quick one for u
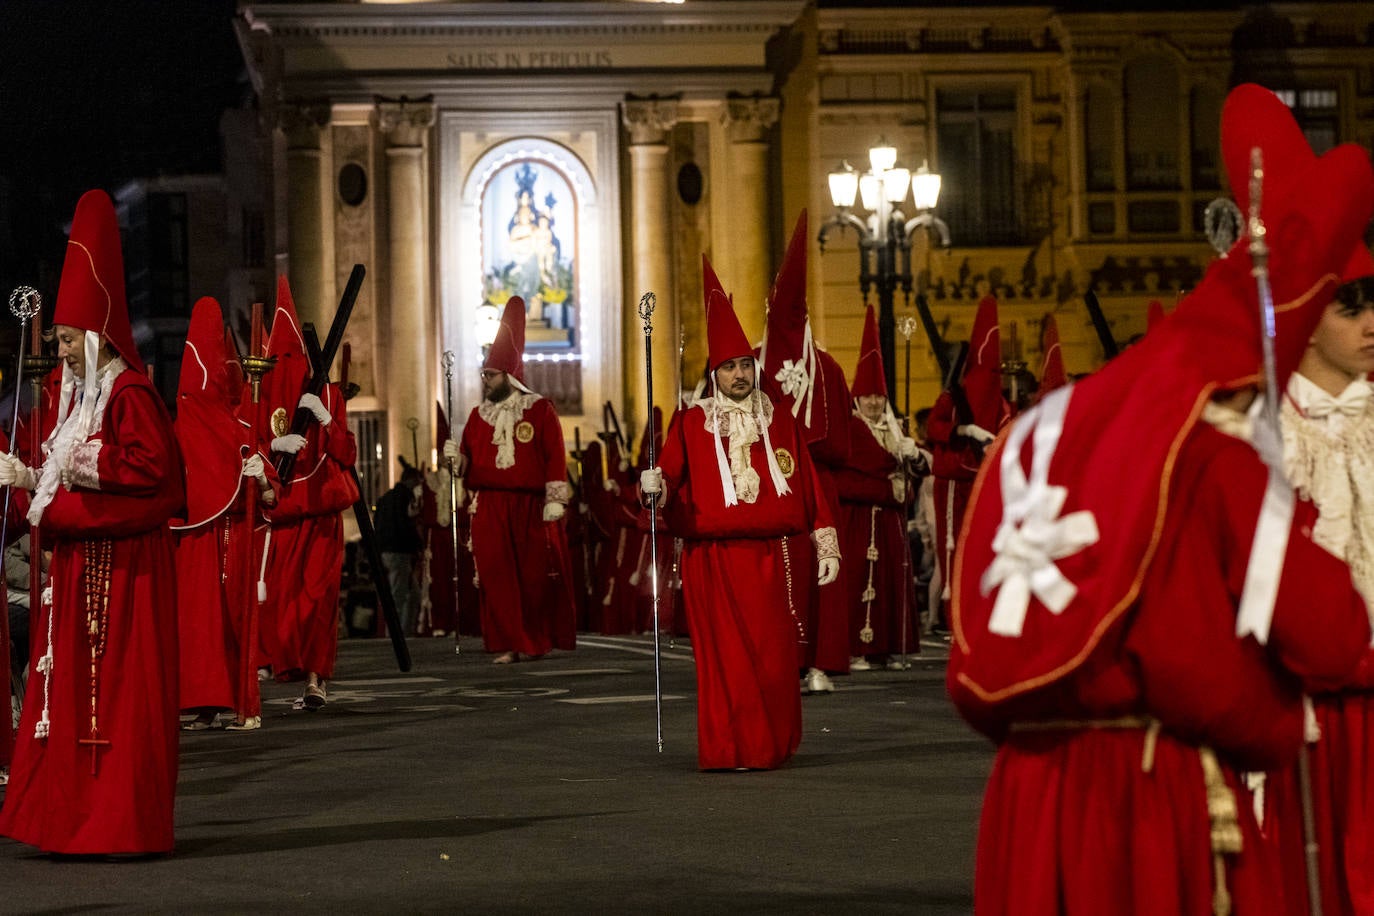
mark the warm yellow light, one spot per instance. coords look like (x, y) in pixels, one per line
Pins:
(882, 157)
(895, 183)
(925, 188)
(844, 185)
(871, 190)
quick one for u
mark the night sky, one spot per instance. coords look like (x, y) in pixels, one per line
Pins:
(94, 93)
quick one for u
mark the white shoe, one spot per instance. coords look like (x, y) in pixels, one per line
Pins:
(859, 663)
(897, 664)
(817, 681)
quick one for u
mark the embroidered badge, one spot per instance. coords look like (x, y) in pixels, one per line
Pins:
(785, 462)
(524, 431)
(281, 423)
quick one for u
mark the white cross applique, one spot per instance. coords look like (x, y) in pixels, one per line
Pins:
(1033, 533)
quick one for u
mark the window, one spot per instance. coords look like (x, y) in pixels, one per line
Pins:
(1317, 112)
(369, 429)
(1099, 134)
(980, 196)
(1152, 127)
(1206, 139)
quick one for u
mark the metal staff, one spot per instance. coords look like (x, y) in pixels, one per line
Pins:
(25, 303)
(413, 424)
(1269, 444)
(646, 314)
(449, 360)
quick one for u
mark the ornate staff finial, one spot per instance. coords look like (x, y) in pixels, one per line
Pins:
(25, 302)
(647, 303)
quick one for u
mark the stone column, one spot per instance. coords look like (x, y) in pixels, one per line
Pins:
(648, 122)
(310, 239)
(409, 374)
(746, 122)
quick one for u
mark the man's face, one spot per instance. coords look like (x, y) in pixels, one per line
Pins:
(1344, 339)
(71, 348)
(735, 377)
(496, 385)
(872, 406)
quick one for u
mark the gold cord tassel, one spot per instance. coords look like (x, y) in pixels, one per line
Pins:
(1224, 815)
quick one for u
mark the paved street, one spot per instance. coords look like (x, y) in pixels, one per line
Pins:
(536, 788)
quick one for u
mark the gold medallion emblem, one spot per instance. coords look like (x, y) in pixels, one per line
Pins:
(524, 431)
(281, 423)
(785, 462)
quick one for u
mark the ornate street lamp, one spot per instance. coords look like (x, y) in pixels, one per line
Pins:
(885, 232)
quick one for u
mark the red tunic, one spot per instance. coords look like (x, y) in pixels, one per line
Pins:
(524, 570)
(740, 587)
(301, 625)
(874, 518)
(54, 801)
(1071, 823)
(954, 463)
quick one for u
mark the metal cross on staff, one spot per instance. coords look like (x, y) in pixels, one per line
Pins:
(647, 302)
(449, 359)
(25, 303)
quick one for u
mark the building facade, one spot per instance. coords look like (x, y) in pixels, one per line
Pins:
(580, 154)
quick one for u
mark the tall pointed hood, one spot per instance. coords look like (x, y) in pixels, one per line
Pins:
(786, 335)
(507, 352)
(90, 295)
(282, 386)
(983, 377)
(212, 440)
(725, 338)
(868, 374)
(1154, 314)
(1052, 373)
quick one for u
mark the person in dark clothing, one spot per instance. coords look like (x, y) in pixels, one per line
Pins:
(398, 537)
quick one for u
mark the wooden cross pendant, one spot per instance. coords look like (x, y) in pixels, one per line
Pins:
(95, 742)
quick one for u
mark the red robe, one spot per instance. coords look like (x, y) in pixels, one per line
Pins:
(873, 518)
(301, 626)
(1071, 823)
(524, 570)
(54, 801)
(740, 584)
(954, 463)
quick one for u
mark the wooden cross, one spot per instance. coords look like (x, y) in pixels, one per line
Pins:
(95, 742)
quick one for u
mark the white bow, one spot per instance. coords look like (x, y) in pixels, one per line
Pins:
(1349, 403)
(1033, 534)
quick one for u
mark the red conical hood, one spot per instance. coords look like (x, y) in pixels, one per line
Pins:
(90, 295)
(785, 331)
(1052, 373)
(724, 337)
(212, 440)
(233, 369)
(283, 384)
(983, 377)
(1154, 314)
(868, 374)
(1253, 116)
(507, 352)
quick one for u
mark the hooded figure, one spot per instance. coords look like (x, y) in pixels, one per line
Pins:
(515, 472)
(740, 485)
(96, 763)
(1130, 624)
(876, 487)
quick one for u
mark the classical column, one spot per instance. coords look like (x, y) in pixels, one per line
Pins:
(310, 239)
(409, 373)
(648, 122)
(747, 121)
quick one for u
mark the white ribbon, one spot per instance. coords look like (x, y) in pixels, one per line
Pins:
(1033, 534)
(1270, 543)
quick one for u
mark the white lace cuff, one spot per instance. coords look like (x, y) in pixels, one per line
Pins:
(827, 543)
(83, 467)
(557, 491)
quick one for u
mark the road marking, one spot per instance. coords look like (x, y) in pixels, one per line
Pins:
(576, 672)
(634, 649)
(385, 681)
(601, 701)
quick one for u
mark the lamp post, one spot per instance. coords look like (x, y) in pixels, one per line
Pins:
(885, 232)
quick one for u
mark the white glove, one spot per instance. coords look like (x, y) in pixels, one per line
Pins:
(827, 569)
(253, 467)
(907, 448)
(553, 512)
(291, 443)
(899, 487)
(13, 472)
(975, 432)
(451, 451)
(651, 481)
(313, 404)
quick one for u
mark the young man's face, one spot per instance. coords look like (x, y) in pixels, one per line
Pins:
(872, 406)
(735, 377)
(1344, 339)
(495, 385)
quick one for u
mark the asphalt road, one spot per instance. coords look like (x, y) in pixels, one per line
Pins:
(463, 787)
